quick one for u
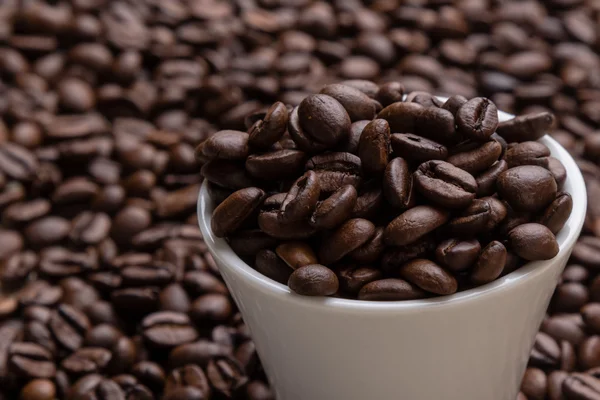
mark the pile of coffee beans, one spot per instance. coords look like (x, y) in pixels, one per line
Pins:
(355, 194)
(102, 103)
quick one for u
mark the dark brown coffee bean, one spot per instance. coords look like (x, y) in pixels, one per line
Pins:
(90, 228)
(270, 265)
(352, 279)
(534, 384)
(313, 280)
(586, 251)
(402, 117)
(24, 212)
(545, 352)
(75, 190)
(324, 119)
(527, 187)
(390, 92)
(135, 300)
(276, 165)
(335, 170)
(199, 352)
(167, 329)
(358, 105)
(30, 361)
(557, 169)
(581, 386)
(226, 376)
(128, 222)
(39, 389)
(232, 212)
(296, 254)
(249, 242)
(417, 149)
(302, 198)
(478, 159)
(477, 119)
(533, 242)
(47, 231)
(270, 223)
(428, 276)
(17, 162)
(350, 143)
(371, 250)
(271, 128)
(557, 213)
(527, 153)
(348, 237)
(444, 184)
(211, 308)
(457, 255)
(490, 263)
(227, 174)
(86, 360)
(187, 376)
(454, 103)
(59, 262)
(398, 183)
(8, 306)
(374, 146)
(526, 127)
(486, 181)
(336, 209)
(413, 224)
(591, 316)
(226, 145)
(569, 327)
(17, 268)
(390, 290)
(39, 293)
(303, 140)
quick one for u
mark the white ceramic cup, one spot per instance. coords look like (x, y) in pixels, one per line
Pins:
(472, 345)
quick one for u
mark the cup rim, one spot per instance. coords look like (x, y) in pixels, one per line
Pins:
(566, 238)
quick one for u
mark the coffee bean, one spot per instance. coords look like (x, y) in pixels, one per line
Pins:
(211, 308)
(398, 183)
(428, 276)
(486, 181)
(86, 360)
(390, 290)
(416, 148)
(348, 237)
(335, 170)
(457, 255)
(534, 384)
(296, 254)
(546, 351)
(567, 327)
(527, 153)
(533, 242)
(232, 212)
(527, 188)
(374, 146)
(477, 118)
(301, 199)
(324, 119)
(17, 268)
(445, 184)
(226, 376)
(358, 105)
(39, 389)
(269, 264)
(271, 128)
(490, 263)
(279, 164)
(581, 386)
(187, 376)
(226, 145)
(313, 280)
(25, 212)
(478, 159)
(557, 170)
(30, 361)
(413, 224)
(526, 127)
(17, 162)
(168, 329)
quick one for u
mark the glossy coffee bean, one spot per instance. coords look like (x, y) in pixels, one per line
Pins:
(336, 209)
(323, 119)
(457, 255)
(444, 184)
(557, 213)
(296, 254)
(478, 159)
(301, 199)
(358, 105)
(398, 183)
(348, 237)
(413, 224)
(490, 263)
(477, 118)
(374, 146)
(527, 153)
(314, 280)
(526, 127)
(416, 148)
(533, 242)
(234, 210)
(527, 188)
(429, 276)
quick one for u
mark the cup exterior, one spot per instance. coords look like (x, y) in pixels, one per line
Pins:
(473, 345)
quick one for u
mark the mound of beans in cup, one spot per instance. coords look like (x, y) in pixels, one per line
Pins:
(361, 192)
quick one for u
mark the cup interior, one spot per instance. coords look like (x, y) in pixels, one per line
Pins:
(566, 239)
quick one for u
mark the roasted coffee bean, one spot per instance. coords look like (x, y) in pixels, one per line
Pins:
(17, 162)
(323, 119)
(335, 170)
(226, 145)
(568, 327)
(269, 264)
(336, 209)
(390, 92)
(526, 127)
(390, 290)
(352, 279)
(398, 183)
(478, 159)
(313, 280)
(557, 213)
(416, 148)
(454, 103)
(227, 174)
(187, 376)
(302, 198)
(271, 128)
(533, 242)
(86, 360)
(25, 212)
(68, 325)
(581, 386)
(527, 187)
(39, 293)
(586, 251)
(477, 119)
(413, 224)
(350, 143)
(211, 308)
(47, 231)
(30, 361)
(374, 146)
(527, 153)
(279, 164)
(490, 263)
(296, 254)
(17, 268)
(226, 376)
(39, 389)
(457, 255)
(444, 184)
(486, 181)
(166, 329)
(534, 384)
(89, 228)
(234, 210)
(545, 352)
(358, 105)
(428, 276)
(557, 169)
(348, 237)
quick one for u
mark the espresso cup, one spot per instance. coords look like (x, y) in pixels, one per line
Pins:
(473, 345)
